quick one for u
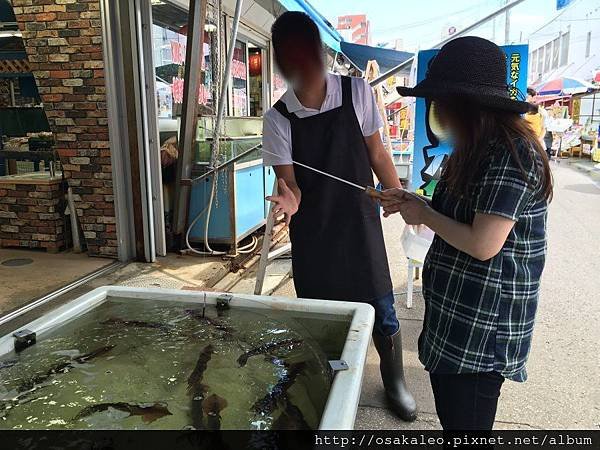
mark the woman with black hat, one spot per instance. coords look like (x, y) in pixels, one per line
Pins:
(481, 276)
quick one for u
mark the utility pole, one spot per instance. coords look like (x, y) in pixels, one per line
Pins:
(507, 25)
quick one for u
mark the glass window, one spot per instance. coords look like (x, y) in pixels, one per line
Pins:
(239, 80)
(169, 34)
(547, 56)
(278, 86)
(255, 80)
(555, 52)
(588, 44)
(564, 49)
(540, 61)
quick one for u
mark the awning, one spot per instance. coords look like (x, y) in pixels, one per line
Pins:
(329, 35)
(360, 55)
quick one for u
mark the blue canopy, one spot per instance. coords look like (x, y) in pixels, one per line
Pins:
(329, 35)
(360, 55)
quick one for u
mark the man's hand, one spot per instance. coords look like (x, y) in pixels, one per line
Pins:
(285, 201)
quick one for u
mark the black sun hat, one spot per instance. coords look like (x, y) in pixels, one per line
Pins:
(469, 66)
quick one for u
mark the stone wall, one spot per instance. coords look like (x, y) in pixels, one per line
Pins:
(31, 214)
(63, 40)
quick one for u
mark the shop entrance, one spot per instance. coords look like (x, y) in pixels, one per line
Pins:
(238, 195)
(42, 246)
(255, 72)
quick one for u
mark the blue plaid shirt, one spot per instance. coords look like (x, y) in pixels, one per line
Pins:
(479, 315)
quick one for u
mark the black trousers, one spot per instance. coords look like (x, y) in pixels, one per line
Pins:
(466, 401)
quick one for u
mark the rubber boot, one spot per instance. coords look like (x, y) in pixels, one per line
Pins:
(392, 374)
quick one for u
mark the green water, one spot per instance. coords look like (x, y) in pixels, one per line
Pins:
(143, 366)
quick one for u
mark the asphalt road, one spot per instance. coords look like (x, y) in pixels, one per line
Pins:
(562, 391)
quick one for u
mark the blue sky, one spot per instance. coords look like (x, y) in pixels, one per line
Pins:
(419, 23)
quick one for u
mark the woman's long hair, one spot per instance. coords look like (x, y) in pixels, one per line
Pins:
(474, 127)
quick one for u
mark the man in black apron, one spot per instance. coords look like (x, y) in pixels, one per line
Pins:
(338, 250)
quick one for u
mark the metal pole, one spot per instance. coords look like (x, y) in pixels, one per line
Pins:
(12, 93)
(381, 78)
(220, 167)
(189, 116)
(225, 81)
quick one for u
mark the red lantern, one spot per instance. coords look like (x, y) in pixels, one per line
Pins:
(255, 64)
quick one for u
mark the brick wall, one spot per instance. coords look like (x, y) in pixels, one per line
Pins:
(63, 40)
(31, 215)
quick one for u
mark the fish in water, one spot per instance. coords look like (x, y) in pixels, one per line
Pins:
(136, 324)
(290, 419)
(276, 361)
(7, 364)
(268, 348)
(214, 323)
(63, 367)
(267, 404)
(148, 411)
(212, 407)
(196, 389)
(93, 354)
(195, 377)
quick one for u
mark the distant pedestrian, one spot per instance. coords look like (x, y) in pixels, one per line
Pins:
(538, 118)
(481, 276)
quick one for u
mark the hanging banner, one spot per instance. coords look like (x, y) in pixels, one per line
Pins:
(430, 155)
(178, 52)
(204, 94)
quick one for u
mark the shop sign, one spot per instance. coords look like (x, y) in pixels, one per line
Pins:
(430, 155)
(177, 52)
(238, 69)
(240, 101)
(177, 92)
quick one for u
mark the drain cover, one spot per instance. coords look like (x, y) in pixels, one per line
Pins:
(16, 262)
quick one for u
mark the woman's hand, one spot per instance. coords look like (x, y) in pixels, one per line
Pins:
(392, 199)
(414, 209)
(411, 206)
(285, 201)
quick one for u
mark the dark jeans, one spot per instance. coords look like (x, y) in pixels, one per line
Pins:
(466, 401)
(386, 322)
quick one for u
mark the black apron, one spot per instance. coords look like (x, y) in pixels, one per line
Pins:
(338, 251)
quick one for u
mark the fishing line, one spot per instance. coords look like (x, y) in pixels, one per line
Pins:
(320, 171)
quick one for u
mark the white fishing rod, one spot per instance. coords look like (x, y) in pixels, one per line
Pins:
(369, 190)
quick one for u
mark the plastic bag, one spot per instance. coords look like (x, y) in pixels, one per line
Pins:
(416, 240)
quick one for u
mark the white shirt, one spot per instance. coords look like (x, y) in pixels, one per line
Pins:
(277, 133)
